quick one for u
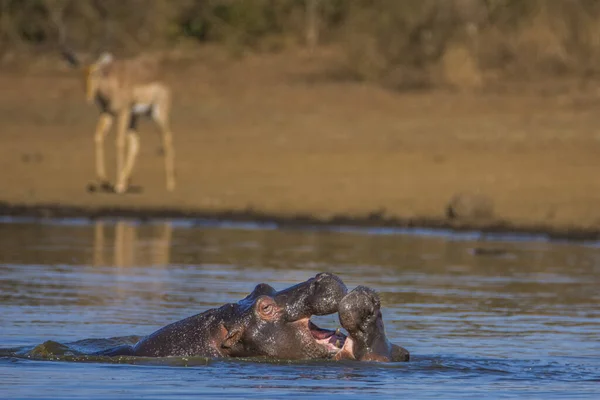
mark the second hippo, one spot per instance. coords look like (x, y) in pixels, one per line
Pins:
(360, 314)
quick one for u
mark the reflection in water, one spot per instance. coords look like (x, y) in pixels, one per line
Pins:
(128, 248)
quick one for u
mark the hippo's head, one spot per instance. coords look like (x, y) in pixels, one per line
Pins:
(277, 324)
(360, 315)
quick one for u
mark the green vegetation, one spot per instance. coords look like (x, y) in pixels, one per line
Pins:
(399, 43)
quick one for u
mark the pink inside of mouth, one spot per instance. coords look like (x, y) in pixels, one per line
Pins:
(333, 340)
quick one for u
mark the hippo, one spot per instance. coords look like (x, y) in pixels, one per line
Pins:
(266, 323)
(360, 315)
(276, 324)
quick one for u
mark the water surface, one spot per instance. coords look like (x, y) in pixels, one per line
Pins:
(503, 318)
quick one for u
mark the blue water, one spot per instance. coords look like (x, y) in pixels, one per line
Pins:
(520, 321)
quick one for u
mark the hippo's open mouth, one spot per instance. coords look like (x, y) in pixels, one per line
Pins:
(332, 341)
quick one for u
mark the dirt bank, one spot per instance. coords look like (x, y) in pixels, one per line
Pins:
(278, 135)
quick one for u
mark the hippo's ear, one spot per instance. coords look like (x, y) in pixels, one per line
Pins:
(260, 290)
(231, 337)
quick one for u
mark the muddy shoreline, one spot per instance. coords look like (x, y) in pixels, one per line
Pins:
(53, 211)
(260, 139)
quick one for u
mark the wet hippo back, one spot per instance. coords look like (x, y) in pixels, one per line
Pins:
(200, 335)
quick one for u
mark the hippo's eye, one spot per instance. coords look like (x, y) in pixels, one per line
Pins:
(266, 308)
(267, 311)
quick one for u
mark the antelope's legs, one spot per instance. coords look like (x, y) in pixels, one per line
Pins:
(160, 114)
(102, 128)
(133, 147)
(122, 127)
(169, 156)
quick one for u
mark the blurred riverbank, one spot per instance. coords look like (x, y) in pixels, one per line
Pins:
(276, 137)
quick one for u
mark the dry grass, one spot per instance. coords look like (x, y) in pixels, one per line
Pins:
(409, 44)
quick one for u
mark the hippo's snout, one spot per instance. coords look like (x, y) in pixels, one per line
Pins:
(360, 314)
(320, 295)
(329, 290)
(359, 306)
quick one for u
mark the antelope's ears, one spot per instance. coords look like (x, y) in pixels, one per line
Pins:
(104, 59)
(70, 57)
(103, 64)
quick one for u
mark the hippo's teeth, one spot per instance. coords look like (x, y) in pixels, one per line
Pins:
(338, 332)
(338, 344)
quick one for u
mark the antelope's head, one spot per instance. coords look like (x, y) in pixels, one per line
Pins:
(93, 72)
